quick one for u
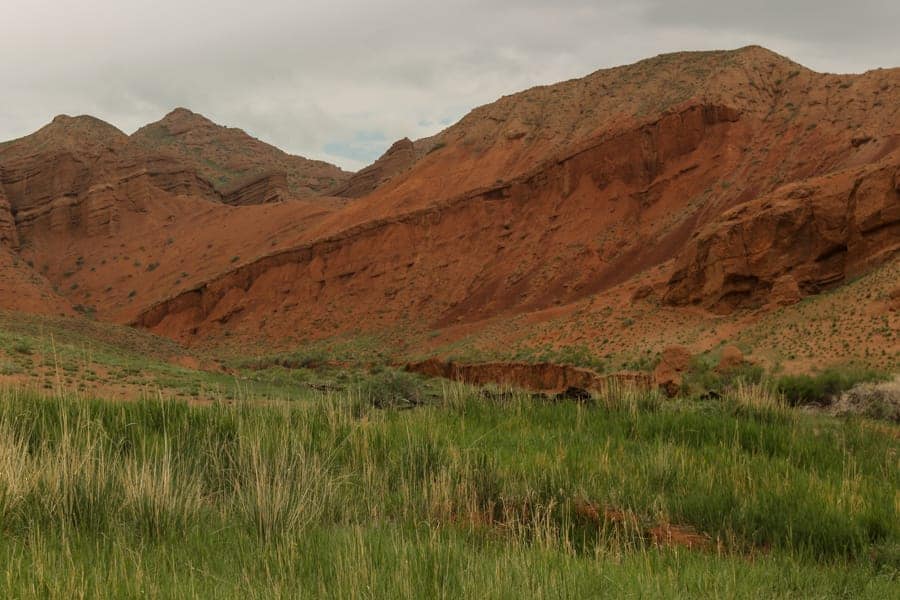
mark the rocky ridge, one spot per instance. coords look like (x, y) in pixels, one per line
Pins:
(228, 157)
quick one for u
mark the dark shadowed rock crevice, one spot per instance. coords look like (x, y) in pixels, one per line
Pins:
(564, 380)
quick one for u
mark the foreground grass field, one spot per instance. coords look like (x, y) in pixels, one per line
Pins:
(476, 495)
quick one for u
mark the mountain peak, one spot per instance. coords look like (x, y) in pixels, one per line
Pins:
(179, 112)
(700, 65)
(81, 134)
(181, 119)
(227, 156)
(83, 123)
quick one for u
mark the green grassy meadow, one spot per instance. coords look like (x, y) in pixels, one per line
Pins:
(473, 494)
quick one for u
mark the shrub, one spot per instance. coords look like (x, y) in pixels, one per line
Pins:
(23, 347)
(872, 400)
(390, 387)
(821, 388)
(703, 378)
(88, 311)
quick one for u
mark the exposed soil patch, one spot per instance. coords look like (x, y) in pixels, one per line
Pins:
(683, 536)
(542, 377)
(666, 535)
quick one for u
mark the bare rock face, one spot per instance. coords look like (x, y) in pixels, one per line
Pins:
(264, 189)
(732, 358)
(169, 175)
(400, 157)
(563, 380)
(88, 201)
(76, 174)
(669, 373)
(49, 176)
(9, 236)
(32, 183)
(817, 234)
(785, 291)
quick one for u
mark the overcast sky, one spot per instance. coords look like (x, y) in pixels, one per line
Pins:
(340, 80)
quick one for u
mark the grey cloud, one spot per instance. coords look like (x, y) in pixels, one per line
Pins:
(831, 35)
(312, 76)
(811, 20)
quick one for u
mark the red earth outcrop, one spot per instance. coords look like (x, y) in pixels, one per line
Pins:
(732, 358)
(261, 189)
(817, 233)
(76, 174)
(669, 373)
(400, 157)
(23, 289)
(113, 225)
(537, 377)
(9, 236)
(785, 291)
(467, 245)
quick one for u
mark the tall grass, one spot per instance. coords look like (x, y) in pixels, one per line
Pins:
(477, 496)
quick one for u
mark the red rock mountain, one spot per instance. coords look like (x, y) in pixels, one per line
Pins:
(230, 159)
(677, 189)
(399, 158)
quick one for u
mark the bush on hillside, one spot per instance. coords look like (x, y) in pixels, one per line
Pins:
(393, 388)
(822, 387)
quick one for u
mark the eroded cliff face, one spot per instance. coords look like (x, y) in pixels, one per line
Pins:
(540, 377)
(78, 175)
(167, 174)
(67, 193)
(808, 237)
(522, 245)
(399, 158)
(263, 189)
(9, 236)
